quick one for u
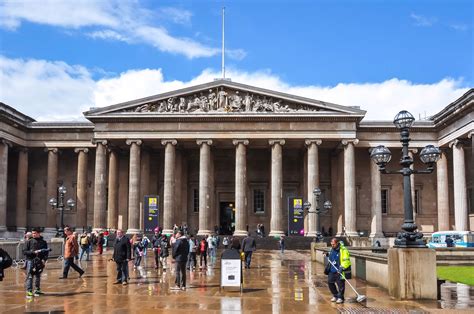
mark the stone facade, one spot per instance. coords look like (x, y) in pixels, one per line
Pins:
(230, 155)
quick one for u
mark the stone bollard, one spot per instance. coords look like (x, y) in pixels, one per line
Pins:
(314, 246)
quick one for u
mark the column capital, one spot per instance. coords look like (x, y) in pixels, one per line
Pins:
(169, 141)
(130, 142)
(354, 141)
(240, 141)
(6, 142)
(85, 150)
(471, 134)
(51, 149)
(309, 141)
(276, 141)
(204, 141)
(96, 141)
(22, 149)
(455, 142)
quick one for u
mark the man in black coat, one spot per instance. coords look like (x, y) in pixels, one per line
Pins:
(180, 255)
(248, 247)
(36, 253)
(122, 254)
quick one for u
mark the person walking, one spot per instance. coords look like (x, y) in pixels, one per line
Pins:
(122, 254)
(145, 242)
(71, 249)
(225, 242)
(100, 243)
(203, 253)
(339, 257)
(211, 244)
(85, 244)
(282, 244)
(193, 245)
(36, 253)
(180, 255)
(248, 247)
(137, 247)
(156, 244)
(164, 252)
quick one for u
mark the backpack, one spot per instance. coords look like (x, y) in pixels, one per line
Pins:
(5, 260)
(84, 241)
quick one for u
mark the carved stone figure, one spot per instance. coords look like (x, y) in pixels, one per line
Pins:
(182, 104)
(236, 102)
(203, 104)
(248, 100)
(212, 100)
(222, 99)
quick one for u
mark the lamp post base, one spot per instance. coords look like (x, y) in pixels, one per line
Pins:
(410, 240)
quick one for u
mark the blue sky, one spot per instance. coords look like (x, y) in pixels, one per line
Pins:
(350, 52)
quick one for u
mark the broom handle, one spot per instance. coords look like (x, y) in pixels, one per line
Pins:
(343, 276)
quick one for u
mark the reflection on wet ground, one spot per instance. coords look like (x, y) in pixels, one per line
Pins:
(275, 284)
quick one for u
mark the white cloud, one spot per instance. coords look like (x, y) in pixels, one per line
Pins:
(57, 91)
(119, 20)
(424, 21)
(459, 27)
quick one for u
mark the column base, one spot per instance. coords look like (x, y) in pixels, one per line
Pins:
(98, 229)
(133, 231)
(311, 234)
(240, 233)
(204, 232)
(3, 228)
(21, 229)
(376, 235)
(50, 231)
(276, 233)
(352, 234)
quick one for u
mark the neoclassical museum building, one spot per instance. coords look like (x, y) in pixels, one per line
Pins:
(228, 156)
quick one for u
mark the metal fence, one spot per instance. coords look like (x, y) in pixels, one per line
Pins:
(15, 248)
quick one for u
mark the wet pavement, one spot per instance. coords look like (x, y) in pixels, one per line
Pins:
(275, 284)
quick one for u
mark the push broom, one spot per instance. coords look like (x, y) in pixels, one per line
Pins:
(360, 297)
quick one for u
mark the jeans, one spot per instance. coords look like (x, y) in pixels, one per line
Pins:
(157, 257)
(138, 260)
(29, 277)
(181, 274)
(192, 262)
(333, 279)
(122, 271)
(248, 258)
(69, 262)
(203, 256)
(164, 261)
(84, 250)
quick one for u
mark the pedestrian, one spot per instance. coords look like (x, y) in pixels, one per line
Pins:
(449, 242)
(282, 244)
(211, 244)
(106, 238)
(180, 255)
(85, 244)
(145, 242)
(225, 242)
(203, 253)
(156, 243)
(100, 243)
(339, 257)
(36, 253)
(122, 254)
(71, 249)
(137, 247)
(5, 262)
(248, 247)
(164, 252)
(193, 245)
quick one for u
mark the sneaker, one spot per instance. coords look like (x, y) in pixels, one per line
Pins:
(339, 301)
(29, 295)
(124, 283)
(62, 277)
(81, 274)
(333, 299)
(183, 288)
(37, 293)
(117, 282)
(175, 288)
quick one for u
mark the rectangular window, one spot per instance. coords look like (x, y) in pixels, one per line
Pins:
(258, 201)
(195, 200)
(417, 202)
(28, 198)
(385, 201)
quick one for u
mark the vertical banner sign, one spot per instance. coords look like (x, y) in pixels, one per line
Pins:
(150, 213)
(295, 216)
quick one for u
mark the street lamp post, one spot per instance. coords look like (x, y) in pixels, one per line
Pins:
(59, 205)
(318, 211)
(381, 155)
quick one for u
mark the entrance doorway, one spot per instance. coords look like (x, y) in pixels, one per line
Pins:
(227, 218)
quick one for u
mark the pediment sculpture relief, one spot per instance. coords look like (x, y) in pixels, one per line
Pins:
(221, 100)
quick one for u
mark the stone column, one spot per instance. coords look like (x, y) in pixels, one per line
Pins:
(376, 203)
(22, 190)
(169, 185)
(134, 187)
(276, 228)
(240, 187)
(3, 183)
(460, 196)
(442, 192)
(144, 182)
(313, 182)
(51, 189)
(100, 185)
(112, 198)
(81, 201)
(204, 187)
(350, 214)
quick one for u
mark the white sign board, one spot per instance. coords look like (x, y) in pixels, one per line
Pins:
(231, 272)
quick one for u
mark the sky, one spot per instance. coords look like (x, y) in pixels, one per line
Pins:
(59, 58)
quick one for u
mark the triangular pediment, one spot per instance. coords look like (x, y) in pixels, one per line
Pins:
(224, 97)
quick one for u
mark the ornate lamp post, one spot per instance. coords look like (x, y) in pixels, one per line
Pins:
(381, 155)
(59, 205)
(318, 211)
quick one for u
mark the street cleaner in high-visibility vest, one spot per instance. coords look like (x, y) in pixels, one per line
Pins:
(339, 257)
